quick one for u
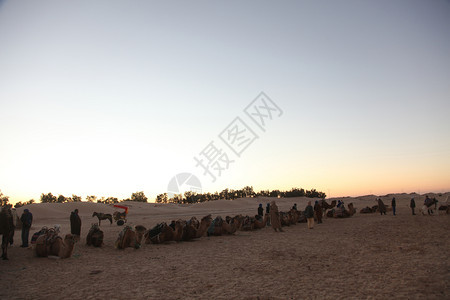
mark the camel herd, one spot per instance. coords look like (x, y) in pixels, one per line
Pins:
(49, 243)
(185, 230)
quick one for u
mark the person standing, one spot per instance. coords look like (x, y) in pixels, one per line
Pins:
(412, 204)
(75, 223)
(275, 217)
(381, 207)
(309, 214)
(318, 211)
(260, 210)
(295, 206)
(393, 205)
(268, 213)
(27, 220)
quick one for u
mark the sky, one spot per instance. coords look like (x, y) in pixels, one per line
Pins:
(108, 98)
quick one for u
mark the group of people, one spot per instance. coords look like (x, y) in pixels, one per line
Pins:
(27, 219)
(382, 208)
(274, 214)
(412, 205)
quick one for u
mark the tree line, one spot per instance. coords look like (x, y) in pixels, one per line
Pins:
(49, 198)
(187, 197)
(230, 194)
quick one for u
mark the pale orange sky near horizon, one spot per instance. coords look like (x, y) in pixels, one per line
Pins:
(111, 98)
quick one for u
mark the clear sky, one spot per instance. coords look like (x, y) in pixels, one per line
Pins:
(108, 98)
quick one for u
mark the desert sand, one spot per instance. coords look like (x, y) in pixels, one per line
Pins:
(367, 256)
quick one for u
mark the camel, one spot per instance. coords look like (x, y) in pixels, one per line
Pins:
(6, 230)
(194, 229)
(326, 206)
(338, 213)
(367, 210)
(219, 226)
(102, 216)
(294, 216)
(285, 218)
(94, 236)
(427, 205)
(445, 208)
(302, 217)
(260, 222)
(51, 244)
(130, 238)
(162, 233)
(247, 223)
(178, 228)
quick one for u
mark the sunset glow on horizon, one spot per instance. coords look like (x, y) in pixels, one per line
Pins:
(112, 101)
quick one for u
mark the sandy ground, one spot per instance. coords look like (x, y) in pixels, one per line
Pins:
(367, 256)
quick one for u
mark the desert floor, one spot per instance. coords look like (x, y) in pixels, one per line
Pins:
(367, 256)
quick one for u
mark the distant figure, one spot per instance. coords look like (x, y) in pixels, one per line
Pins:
(309, 214)
(27, 220)
(295, 206)
(412, 204)
(427, 205)
(275, 217)
(340, 203)
(318, 211)
(260, 210)
(268, 213)
(381, 207)
(75, 223)
(393, 205)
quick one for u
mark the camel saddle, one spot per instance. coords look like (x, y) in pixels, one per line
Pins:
(156, 230)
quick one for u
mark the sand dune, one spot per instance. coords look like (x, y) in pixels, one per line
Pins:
(366, 256)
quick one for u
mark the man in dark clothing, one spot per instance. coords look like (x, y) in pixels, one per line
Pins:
(268, 213)
(27, 220)
(260, 210)
(309, 214)
(295, 206)
(393, 205)
(413, 206)
(75, 223)
(318, 211)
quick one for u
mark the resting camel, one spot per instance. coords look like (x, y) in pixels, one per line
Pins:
(6, 230)
(285, 219)
(178, 228)
(247, 223)
(194, 229)
(162, 233)
(326, 206)
(367, 210)
(260, 222)
(102, 216)
(294, 216)
(130, 238)
(219, 226)
(338, 213)
(51, 244)
(94, 236)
